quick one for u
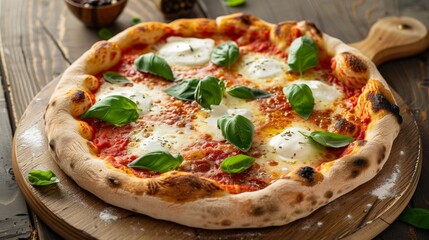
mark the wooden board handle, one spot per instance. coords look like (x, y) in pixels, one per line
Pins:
(394, 37)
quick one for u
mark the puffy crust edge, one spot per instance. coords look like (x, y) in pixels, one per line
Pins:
(206, 206)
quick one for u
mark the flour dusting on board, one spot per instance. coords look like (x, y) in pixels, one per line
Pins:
(107, 216)
(386, 189)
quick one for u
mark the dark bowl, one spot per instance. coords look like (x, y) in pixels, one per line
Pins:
(96, 17)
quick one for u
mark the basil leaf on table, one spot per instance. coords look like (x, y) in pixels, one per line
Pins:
(234, 3)
(247, 93)
(225, 54)
(158, 161)
(114, 109)
(303, 54)
(418, 217)
(154, 64)
(135, 21)
(184, 90)
(42, 178)
(237, 164)
(301, 98)
(329, 139)
(209, 91)
(115, 78)
(105, 34)
(237, 130)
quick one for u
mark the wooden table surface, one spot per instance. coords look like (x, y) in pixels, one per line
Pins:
(39, 39)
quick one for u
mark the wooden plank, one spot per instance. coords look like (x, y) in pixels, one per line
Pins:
(14, 219)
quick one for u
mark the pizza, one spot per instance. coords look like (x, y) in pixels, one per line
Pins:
(226, 123)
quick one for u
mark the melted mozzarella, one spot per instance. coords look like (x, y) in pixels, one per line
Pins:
(207, 120)
(324, 94)
(263, 70)
(292, 146)
(135, 93)
(187, 51)
(160, 137)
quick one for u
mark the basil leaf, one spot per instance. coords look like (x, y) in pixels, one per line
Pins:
(329, 139)
(105, 34)
(113, 77)
(225, 54)
(158, 161)
(42, 178)
(303, 54)
(114, 109)
(247, 93)
(301, 98)
(237, 164)
(209, 91)
(238, 130)
(135, 21)
(418, 217)
(151, 63)
(234, 3)
(184, 90)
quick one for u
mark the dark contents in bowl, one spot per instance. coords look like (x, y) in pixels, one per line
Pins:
(95, 3)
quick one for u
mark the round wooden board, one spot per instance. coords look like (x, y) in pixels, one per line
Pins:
(76, 214)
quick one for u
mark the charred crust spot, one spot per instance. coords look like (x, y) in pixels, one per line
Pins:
(328, 194)
(52, 144)
(182, 188)
(53, 103)
(355, 63)
(307, 173)
(312, 199)
(72, 166)
(78, 96)
(297, 211)
(299, 197)
(361, 163)
(267, 208)
(226, 222)
(379, 102)
(344, 126)
(361, 143)
(354, 173)
(312, 25)
(245, 19)
(257, 211)
(113, 182)
(357, 166)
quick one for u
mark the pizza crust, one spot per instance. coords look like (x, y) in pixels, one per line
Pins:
(189, 200)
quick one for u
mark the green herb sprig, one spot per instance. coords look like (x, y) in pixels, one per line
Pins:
(115, 78)
(237, 164)
(329, 139)
(154, 64)
(42, 178)
(237, 130)
(158, 161)
(114, 109)
(301, 98)
(303, 54)
(225, 54)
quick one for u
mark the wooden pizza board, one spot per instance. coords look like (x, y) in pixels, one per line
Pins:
(77, 214)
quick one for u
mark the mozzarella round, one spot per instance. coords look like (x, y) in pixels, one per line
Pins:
(263, 70)
(324, 95)
(292, 145)
(187, 51)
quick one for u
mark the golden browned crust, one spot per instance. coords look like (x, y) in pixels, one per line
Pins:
(197, 202)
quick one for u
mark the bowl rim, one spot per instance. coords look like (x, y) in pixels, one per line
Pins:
(71, 2)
